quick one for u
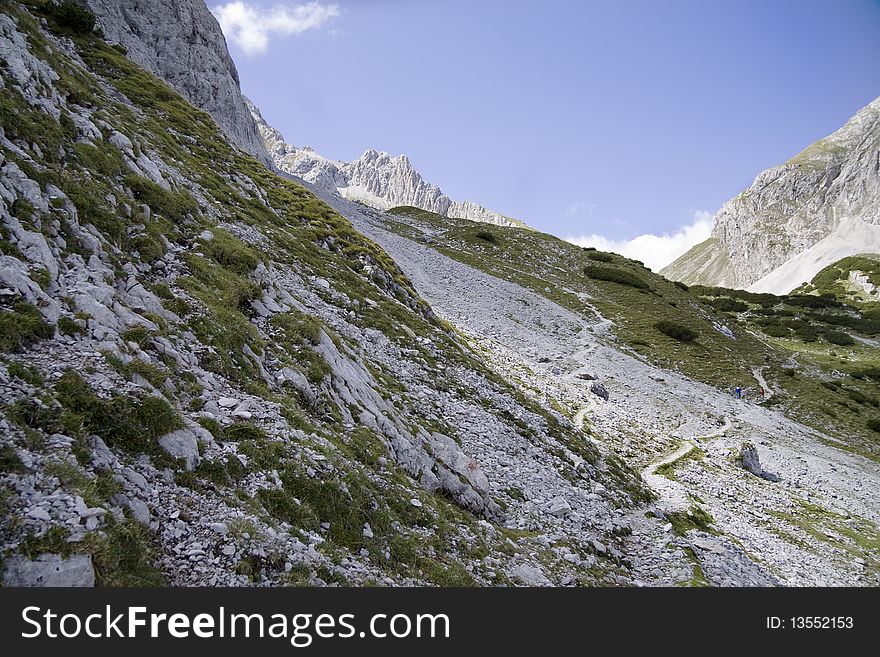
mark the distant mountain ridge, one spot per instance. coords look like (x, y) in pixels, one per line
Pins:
(376, 178)
(826, 198)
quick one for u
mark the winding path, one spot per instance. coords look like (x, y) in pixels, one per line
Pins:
(672, 495)
(759, 377)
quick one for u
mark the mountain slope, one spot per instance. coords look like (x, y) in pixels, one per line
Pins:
(212, 374)
(523, 298)
(375, 178)
(790, 208)
(209, 377)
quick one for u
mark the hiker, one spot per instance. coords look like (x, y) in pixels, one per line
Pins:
(762, 392)
(739, 392)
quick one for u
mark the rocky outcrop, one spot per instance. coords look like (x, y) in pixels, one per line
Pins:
(791, 207)
(376, 178)
(181, 42)
(750, 462)
(49, 570)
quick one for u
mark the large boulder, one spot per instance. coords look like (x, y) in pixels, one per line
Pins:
(182, 444)
(749, 461)
(599, 390)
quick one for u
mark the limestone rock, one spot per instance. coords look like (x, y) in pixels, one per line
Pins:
(792, 207)
(49, 570)
(599, 390)
(181, 42)
(748, 460)
(182, 444)
(376, 178)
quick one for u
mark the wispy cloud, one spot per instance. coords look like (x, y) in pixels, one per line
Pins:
(249, 27)
(580, 208)
(656, 251)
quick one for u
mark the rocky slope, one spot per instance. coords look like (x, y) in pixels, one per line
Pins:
(806, 512)
(181, 43)
(790, 209)
(209, 377)
(375, 178)
(212, 374)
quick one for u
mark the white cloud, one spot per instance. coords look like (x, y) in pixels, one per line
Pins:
(656, 251)
(250, 27)
(580, 207)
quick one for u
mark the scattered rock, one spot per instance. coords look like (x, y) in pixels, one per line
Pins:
(599, 390)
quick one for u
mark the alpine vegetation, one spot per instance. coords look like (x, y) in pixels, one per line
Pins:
(224, 361)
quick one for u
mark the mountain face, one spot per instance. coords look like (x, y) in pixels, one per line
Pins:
(816, 196)
(376, 179)
(181, 43)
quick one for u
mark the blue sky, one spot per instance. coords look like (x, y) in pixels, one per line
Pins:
(612, 118)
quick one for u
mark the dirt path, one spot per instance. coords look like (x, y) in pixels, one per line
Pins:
(759, 377)
(672, 496)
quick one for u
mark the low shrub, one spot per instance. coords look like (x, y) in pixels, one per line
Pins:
(777, 330)
(600, 256)
(812, 301)
(615, 275)
(72, 15)
(728, 305)
(676, 331)
(487, 236)
(839, 338)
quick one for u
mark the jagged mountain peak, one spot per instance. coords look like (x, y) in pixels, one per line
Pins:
(376, 178)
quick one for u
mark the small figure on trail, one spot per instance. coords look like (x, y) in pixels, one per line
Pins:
(739, 392)
(762, 392)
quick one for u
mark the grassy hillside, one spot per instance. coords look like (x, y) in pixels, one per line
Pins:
(818, 352)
